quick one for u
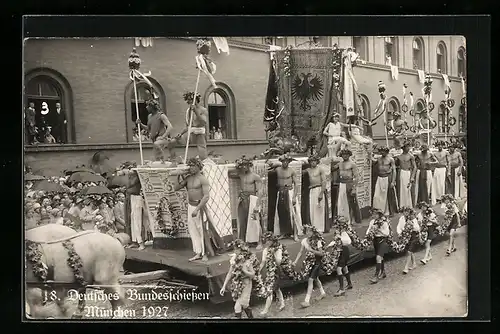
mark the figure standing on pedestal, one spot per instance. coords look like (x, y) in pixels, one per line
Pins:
(440, 172)
(406, 171)
(425, 125)
(317, 191)
(203, 235)
(455, 184)
(249, 220)
(333, 131)
(199, 125)
(287, 223)
(160, 129)
(396, 128)
(384, 198)
(423, 186)
(346, 203)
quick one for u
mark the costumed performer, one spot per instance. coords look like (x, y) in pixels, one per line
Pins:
(384, 198)
(318, 205)
(204, 237)
(287, 222)
(448, 203)
(428, 222)
(356, 132)
(241, 274)
(409, 221)
(346, 202)
(198, 130)
(342, 226)
(159, 129)
(396, 128)
(333, 131)
(406, 171)
(455, 182)
(272, 255)
(440, 172)
(380, 229)
(249, 219)
(423, 186)
(315, 244)
(139, 215)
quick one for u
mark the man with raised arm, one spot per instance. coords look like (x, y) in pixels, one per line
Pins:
(384, 198)
(407, 170)
(204, 237)
(198, 130)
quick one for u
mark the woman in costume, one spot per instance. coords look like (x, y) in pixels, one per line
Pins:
(342, 226)
(314, 244)
(272, 257)
(380, 229)
(428, 221)
(241, 274)
(408, 223)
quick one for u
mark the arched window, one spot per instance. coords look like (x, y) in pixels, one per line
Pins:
(418, 53)
(391, 50)
(144, 93)
(365, 111)
(221, 107)
(360, 43)
(46, 86)
(392, 106)
(441, 58)
(462, 120)
(462, 69)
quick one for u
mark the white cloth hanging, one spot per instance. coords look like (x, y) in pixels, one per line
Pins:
(446, 80)
(394, 72)
(421, 76)
(221, 44)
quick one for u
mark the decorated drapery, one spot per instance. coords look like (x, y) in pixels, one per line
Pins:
(307, 91)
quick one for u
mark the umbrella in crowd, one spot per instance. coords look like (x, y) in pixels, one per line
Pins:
(33, 177)
(78, 170)
(95, 190)
(86, 177)
(47, 186)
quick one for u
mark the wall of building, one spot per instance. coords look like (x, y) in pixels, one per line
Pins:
(97, 70)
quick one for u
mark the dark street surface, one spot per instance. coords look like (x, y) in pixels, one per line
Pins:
(438, 289)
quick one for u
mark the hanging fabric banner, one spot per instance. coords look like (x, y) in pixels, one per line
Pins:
(221, 44)
(394, 72)
(421, 76)
(350, 86)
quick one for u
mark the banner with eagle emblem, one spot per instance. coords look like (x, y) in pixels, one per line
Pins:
(306, 91)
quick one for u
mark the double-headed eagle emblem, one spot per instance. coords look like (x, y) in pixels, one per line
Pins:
(307, 88)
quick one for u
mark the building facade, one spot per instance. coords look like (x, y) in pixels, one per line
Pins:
(89, 78)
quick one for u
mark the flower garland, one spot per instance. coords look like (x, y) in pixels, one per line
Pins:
(34, 256)
(448, 218)
(238, 276)
(75, 262)
(272, 273)
(286, 61)
(337, 66)
(400, 245)
(328, 261)
(357, 242)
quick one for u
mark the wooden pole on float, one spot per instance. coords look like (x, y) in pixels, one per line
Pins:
(191, 116)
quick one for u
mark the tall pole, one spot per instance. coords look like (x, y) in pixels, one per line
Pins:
(138, 124)
(385, 124)
(191, 116)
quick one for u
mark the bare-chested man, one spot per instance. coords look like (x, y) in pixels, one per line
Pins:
(347, 205)
(317, 191)
(439, 177)
(423, 185)
(407, 171)
(396, 129)
(287, 220)
(200, 227)
(456, 187)
(384, 198)
(199, 124)
(249, 222)
(425, 125)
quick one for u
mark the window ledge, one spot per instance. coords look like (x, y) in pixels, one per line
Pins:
(404, 71)
(134, 145)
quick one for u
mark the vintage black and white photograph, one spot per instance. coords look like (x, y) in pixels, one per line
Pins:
(245, 177)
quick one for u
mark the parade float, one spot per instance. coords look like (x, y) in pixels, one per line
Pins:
(307, 85)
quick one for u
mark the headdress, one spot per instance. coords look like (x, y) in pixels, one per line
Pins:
(381, 86)
(383, 149)
(313, 157)
(269, 236)
(424, 148)
(342, 222)
(155, 104)
(440, 143)
(313, 229)
(428, 211)
(239, 244)
(396, 113)
(189, 96)
(286, 157)
(377, 211)
(336, 114)
(195, 162)
(407, 211)
(406, 144)
(345, 152)
(422, 205)
(243, 162)
(446, 197)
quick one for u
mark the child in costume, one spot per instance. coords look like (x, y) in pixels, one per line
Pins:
(272, 257)
(409, 221)
(380, 229)
(428, 221)
(448, 203)
(342, 226)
